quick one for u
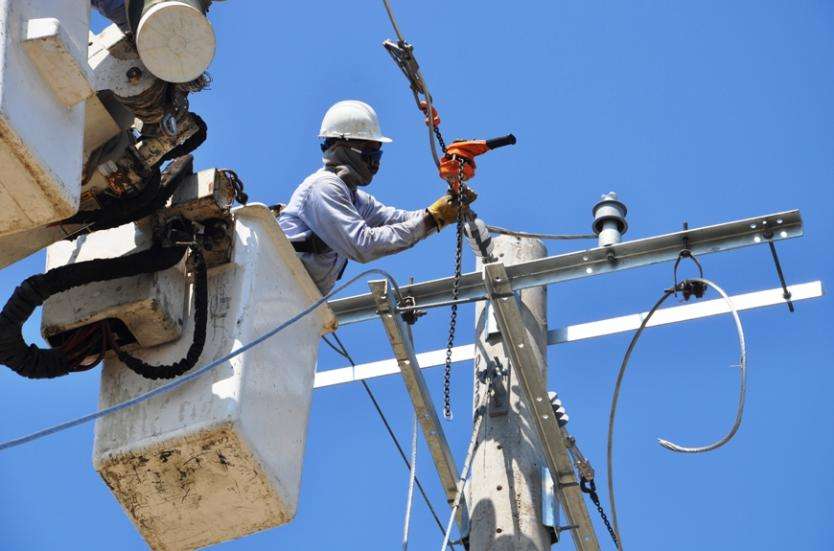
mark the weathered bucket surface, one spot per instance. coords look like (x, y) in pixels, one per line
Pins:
(151, 306)
(221, 456)
(44, 78)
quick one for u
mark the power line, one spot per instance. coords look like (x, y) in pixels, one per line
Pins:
(342, 351)
(168, 387)
(547, 236)
(665, 443)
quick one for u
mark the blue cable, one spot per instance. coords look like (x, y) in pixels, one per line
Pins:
(194, 374)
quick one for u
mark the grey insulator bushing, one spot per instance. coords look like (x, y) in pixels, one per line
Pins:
(609, 220)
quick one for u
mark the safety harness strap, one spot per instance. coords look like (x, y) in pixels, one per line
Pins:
(312, 244)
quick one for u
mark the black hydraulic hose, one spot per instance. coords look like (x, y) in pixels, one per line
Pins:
(120, 209)
(176, 369)
(34, 362)
(154, 197)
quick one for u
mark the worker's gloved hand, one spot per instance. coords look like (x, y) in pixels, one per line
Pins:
(450, 168)
(444, 211)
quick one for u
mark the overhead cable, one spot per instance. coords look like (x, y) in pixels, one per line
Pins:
(342, 351)
(408, 65)
(546, 236)
(393, 21)
(665, 443)
(176, 383)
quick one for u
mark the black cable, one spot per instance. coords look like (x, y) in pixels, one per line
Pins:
(158, 190)
(342, 351)
(35, 363)
(169, 371)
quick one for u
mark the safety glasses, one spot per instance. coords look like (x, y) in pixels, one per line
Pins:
(370, 156)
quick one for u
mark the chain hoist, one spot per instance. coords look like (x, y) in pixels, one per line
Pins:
(456, 165)
(453, 316)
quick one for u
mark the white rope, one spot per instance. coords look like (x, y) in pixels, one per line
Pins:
(665, 443)
(412, 476)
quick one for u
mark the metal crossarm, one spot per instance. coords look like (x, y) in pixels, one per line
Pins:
(399, 333)
(583, 331)
(600, 260)
(526, 365)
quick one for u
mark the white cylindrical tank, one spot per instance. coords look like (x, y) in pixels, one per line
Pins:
(221, 457)
(175, 39)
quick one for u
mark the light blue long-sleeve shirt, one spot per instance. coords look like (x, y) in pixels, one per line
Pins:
(350, 221)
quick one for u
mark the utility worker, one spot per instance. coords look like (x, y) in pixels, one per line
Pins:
(330, 220)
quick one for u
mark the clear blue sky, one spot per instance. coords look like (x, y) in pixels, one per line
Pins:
(705, 112)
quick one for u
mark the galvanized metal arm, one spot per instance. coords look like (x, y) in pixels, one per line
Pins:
(399, 333)
(600, 260)
(527, 366)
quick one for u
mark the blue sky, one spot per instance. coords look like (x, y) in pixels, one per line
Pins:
(705, 112)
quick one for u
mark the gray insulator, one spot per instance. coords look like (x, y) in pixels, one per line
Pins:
(609, 220)
(559, 411)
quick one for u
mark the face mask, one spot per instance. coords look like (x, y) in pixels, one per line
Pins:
(355, 165)
(348, 165)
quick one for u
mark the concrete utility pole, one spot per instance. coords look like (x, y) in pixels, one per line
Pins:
(504, 493)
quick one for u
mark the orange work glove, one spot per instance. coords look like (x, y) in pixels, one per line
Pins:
(444, 211)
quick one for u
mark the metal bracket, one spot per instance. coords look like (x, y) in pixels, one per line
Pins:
(768, 234)
(550, 507)
(399, 334)
(527, 365)
(499, 399)
(407, 307)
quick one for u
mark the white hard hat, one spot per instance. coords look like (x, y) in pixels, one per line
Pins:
(352, 120)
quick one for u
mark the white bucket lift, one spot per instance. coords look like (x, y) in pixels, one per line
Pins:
(44, 80)
(221, 456)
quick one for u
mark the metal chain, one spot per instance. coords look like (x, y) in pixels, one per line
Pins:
(453, 316)
(403, 56)
(437, 134)
(590, 488)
